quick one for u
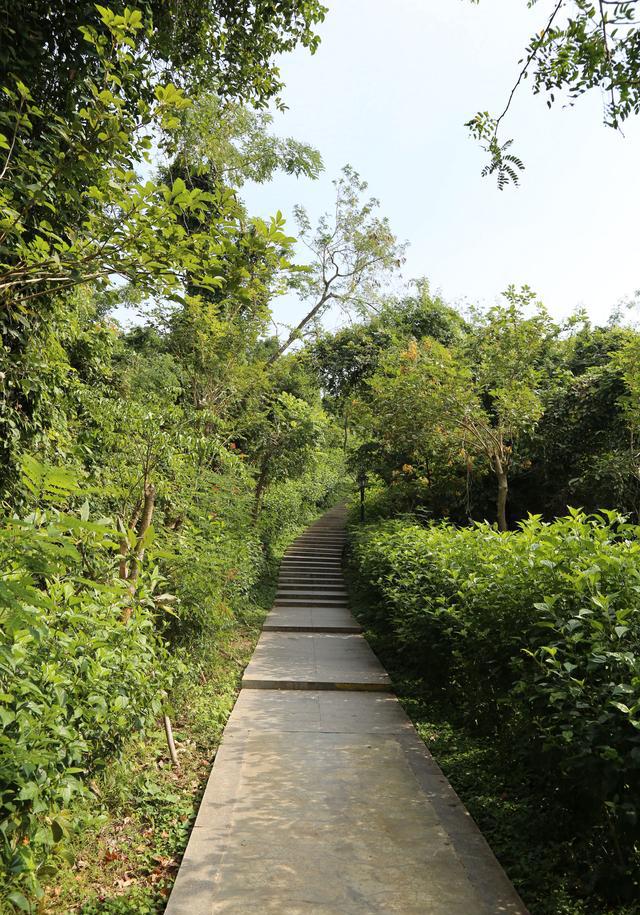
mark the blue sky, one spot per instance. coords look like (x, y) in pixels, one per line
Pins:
(389, 91)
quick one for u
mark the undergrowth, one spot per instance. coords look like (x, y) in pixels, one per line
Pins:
(127, 860)
(139, 818)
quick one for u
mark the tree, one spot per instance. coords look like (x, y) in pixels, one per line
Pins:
(73, 208)
(579, 452)
(582, 45)
(282, 438)
(422, 421)
(209, 44)
(476, 400)
(354, 250)
(627, 361)
(505, 349)
(421, 313)
(74, 212)
(345, 360)
(228, 143)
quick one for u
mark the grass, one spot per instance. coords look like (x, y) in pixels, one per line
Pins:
(528, 831)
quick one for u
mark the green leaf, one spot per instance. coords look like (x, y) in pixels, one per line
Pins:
(19, 901)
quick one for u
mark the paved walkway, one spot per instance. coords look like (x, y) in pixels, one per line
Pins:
(322, 798)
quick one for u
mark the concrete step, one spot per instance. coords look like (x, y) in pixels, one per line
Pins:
(328, 803)
(305, 619)
(326, 544)
(315, 598)
(322, 563)
(311, 578)
(313, 554)
(300, 660)
(322, 798)
(322, 535)
(314, 545)
(304, 600)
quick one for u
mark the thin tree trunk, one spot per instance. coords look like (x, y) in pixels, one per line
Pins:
(322, 301)
(145, 523)
(503, 490)
(124, 541)
(122, 564)
(168, 730)
(146, 516)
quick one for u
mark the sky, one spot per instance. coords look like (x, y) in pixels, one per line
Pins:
(389, 91)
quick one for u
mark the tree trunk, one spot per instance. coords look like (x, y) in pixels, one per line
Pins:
(131, 573)
(145, 523)
(503, 490)
(143, 513)
(261, 485)
(124, 541)
(322, 301)
(168, 730)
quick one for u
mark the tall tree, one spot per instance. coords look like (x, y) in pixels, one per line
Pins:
(215, 44)
(353, 250)
(473, 401)
(77, 133)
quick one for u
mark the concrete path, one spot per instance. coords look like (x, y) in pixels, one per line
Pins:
(322, 798)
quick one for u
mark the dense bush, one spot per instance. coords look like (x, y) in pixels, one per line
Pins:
(81, 667)
(294, 503)
(535, 636)
(220, 556)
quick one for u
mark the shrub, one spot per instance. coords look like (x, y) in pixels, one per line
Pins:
(535, 635)
(75, 681)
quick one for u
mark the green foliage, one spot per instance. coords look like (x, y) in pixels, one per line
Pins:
(435, 405)
(75, 678)
(74, 210)
(346, 359)
(534, 636)
(84, 660)
(231, 144)
(133, 465)
(213, 44)
(290, 504)
(353, 252)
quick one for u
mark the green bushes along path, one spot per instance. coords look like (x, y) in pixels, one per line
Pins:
(532, 637)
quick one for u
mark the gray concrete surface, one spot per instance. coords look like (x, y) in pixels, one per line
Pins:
(312, 600)
(305, 618)
(313, 660)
